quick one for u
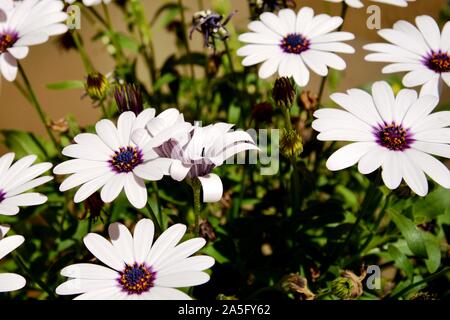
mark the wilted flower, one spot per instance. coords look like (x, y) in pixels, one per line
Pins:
(260, 6)
(129, 98)
(210, 25)
(283, 92)
(60, 125)
(308, 101)
(297, 284)
(206, 231)
(93, 207)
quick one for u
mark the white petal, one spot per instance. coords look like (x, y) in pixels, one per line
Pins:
(8, 210)
(349, 155)
(103, 250)
(437, 149)
(212, 188)
(419, 110)
(392, 170)
(435, 169)
(122, 240)
(8, 66)
(430, 30)
(197, 263)
(372, 160)
(124, 127)
(384, 99)
(11, 282)
(89, 271)
(113, 187)
(26, 199)
(183, 279)
(153, 170)
(170, 294)
(179, 253)
(76, 286)
(81, 177)
(135, 191)
(107, 131)
(10, 243)
(108, 293)
(166, 241)
(87, 189)
(142, 239)
(414, 176)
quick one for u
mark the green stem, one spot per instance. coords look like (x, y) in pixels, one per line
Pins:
(98, 16)
(158, 203)
(196, 188)
(21, 262)
(103, 108)
(113, 35)
(154, 218)
(84, 56)
(34, 101)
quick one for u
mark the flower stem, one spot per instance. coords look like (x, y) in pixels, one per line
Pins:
(113, 35)
(84, 56)
(196, 188)
(158, 203)
(21, 263)
(31, 96)
(154, 218)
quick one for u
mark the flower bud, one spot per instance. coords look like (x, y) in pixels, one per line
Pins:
(129, 98)
(348, 286)
(262, 112)
(97, 86)
(283, 92)
(291, 143)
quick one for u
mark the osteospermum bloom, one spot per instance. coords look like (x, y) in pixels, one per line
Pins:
(23, 24)
(207, 148)
(398, 134)
(136, 269)
(359, 4)
(9, 281)
(112, 161)
(291, 43)
(422, 51)
(18, 178)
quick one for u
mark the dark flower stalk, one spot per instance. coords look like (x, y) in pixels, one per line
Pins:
(129, 98)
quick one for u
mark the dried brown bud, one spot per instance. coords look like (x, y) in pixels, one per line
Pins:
(283, 92)
(207, 231)
(308, 101)
(93, 207)
(60, 125)
(297, 284)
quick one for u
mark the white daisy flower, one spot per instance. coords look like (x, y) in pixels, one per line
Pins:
(358, 4)
(111, 161)
(398, 134)
(207, 147)
(9, 281)
(18, 178)
(421, 51)
(23, 24)
(291, 43)
(136, 269)
(89, 3)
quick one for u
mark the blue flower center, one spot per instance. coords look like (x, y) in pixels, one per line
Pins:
(438, 62)
(137, 278)
(7, 40)
(394, 137)
(126, 159)
(295, 43)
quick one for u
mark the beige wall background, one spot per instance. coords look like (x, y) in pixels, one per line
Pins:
(48, 64)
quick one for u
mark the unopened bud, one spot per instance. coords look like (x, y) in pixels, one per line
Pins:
(283, 92)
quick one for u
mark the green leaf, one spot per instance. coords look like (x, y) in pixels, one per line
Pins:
(23, 143)
(165, 79)
(434, 204)
(413, 236)
(434, 253)
(70, 84)
(234, 112)
(401, 260)
(194, 58)
(127, 42)
(171, 7)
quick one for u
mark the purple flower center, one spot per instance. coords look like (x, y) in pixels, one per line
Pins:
(438, 61)
(393, 136)
(137, 278)
(294, 43)
(126, 159)
(7, 40)
(2, 195)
